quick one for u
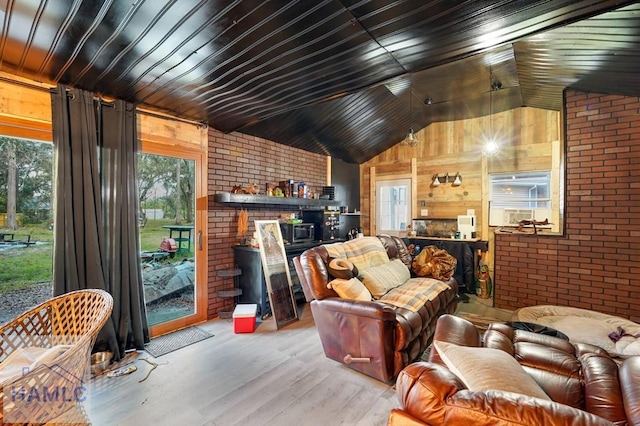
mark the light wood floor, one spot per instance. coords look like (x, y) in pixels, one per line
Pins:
(270, 377)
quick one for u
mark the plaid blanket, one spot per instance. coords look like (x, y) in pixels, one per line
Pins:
(414, 293)
(363, 252)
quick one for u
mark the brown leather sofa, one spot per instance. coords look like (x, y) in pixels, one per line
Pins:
(585, 385)
(372, 337)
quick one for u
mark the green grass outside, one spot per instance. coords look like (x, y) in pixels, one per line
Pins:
(23, 267)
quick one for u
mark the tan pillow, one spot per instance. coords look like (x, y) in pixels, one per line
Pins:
(488, 369)
(342, 268)
(382, 278)
(350, 289)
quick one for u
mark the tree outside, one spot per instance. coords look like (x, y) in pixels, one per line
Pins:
(25, 182)
(26, 232)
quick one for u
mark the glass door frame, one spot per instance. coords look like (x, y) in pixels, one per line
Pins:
(394, 181)
(199, 235)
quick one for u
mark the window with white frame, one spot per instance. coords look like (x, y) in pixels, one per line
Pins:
(519, 196)
(393, 206)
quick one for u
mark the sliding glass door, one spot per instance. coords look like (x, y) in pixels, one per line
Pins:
(171, 237)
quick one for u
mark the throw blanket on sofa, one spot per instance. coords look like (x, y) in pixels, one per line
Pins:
(415, 293)
(363, 252)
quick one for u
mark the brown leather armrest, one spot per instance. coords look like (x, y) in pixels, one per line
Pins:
(400, 418)
(373, 309)
(422, 388)
(452, 329)
(432, 394)
(629, 375)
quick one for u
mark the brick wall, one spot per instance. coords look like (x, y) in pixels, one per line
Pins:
(237, 159)
(596, 264)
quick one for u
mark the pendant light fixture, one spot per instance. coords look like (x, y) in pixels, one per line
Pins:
(410, 140)
(491, 146)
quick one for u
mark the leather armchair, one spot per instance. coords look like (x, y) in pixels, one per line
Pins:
(585, 385)
(372, 337)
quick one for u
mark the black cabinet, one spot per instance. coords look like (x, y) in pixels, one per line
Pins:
(252, 282)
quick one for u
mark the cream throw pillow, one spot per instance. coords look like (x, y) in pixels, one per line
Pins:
(382, 278)
(350, 289)
(488, 369)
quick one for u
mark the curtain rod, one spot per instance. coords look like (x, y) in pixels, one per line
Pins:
(25, 84)
(170, 117)
(138, 110)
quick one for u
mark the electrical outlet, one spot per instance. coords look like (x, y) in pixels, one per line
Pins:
(424, 212)
(423, 203)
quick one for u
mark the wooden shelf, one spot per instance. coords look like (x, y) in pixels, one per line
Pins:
(229, 198)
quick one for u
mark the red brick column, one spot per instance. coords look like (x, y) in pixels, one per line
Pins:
(237, 159)
(596, 264)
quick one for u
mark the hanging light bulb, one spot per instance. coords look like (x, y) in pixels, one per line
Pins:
(458, 180)
(491, 146)
(410, 140)
(436, 180)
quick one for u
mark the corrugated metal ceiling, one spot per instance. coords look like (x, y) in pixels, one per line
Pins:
(332, 77)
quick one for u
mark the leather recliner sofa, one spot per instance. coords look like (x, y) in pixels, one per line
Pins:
(585, 385)
(372, 337)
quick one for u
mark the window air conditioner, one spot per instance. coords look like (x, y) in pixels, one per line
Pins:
(512, 217)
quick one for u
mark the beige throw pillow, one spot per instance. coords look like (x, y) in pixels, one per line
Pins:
(352, 289)
(488, 369)
(382, 278)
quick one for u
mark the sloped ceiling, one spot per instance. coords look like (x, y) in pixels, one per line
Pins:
(341, 78)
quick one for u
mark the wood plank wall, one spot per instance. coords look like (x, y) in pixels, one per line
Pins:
(25, 109)
(529, 137)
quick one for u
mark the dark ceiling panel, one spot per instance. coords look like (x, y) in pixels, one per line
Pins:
(600, 54)
(345, 78)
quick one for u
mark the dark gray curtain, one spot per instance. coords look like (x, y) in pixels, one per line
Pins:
(96, 242)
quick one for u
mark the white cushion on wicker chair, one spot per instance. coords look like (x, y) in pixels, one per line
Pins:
(26, 359)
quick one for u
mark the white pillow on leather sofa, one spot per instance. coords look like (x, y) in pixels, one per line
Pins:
(488, 369)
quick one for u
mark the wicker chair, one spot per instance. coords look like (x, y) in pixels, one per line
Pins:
(49, 390)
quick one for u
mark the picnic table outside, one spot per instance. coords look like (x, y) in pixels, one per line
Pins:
(5, 236)
(183, 235)
(8, 238)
